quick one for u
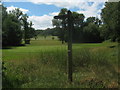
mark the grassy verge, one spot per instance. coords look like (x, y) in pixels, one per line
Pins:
(43, 64)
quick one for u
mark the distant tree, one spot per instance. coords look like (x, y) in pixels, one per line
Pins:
(56, 23)
(93, 20)
(92, 33)
(83, 30)
(25, 28)
(31, 31)
(104, 32)
(78, 22)
(78, 19)
(60, 25)
(63, 30)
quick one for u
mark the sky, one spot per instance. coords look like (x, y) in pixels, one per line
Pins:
(41, 12)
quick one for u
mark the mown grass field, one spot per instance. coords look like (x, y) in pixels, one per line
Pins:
(43, 64)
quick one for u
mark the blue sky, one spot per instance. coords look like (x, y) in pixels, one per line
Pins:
(36, 9)
(41, 13)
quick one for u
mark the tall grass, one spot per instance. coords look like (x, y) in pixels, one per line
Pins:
(46, 67)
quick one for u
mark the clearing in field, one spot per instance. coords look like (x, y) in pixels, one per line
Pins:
(43, 64)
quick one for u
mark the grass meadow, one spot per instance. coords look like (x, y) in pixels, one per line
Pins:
(43, 64)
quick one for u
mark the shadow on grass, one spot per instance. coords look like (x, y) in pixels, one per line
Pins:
(11, 47)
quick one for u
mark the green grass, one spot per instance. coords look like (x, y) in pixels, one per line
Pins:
(43, 64)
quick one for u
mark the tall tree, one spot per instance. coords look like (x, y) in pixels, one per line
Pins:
(14, 23)
(12, 34)
(110, 16)
(26, 29)
(61, 25)
(93, 20)
(63, 35)
(56, 23)
(83, 30)
(92, 33)
(31, 31)
(78, 22)
(78, 19)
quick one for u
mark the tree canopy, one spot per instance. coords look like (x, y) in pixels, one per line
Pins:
(15, 27)
(111, 22)
(83, 31)
(92, 29)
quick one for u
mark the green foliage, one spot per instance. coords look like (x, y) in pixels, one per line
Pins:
(92, 33)
(15, 27)
(78, 19)
(110, 16)
(56, 23)
(83, 31)
(92, 29)
(12, 33)
(93, 20)
(43, 64)
(29, 31)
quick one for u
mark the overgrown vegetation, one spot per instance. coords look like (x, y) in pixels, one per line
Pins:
(44, 65)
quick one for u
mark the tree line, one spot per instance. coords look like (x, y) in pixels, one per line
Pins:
(91, 30)
(16, 28)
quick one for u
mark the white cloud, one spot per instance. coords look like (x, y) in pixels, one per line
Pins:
(45, 21)
(87, 10)
(13, 0)
(92, 10)
(49, 1)
(13, 8)
(64, 3)
(41, 22)
(54, 13)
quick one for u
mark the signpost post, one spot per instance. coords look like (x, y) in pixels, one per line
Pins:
(70, 25)
(70, 46)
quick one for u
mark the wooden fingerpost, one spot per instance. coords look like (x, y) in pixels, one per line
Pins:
(69, 26)
(69, 46)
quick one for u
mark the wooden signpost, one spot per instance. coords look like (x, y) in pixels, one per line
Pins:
(70, 25)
